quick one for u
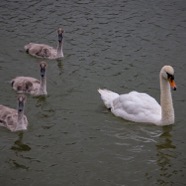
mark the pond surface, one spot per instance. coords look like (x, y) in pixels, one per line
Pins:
(72, 139)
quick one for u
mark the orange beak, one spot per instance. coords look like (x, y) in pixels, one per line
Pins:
(172, 84)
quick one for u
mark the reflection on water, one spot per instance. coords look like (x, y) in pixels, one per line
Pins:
(60, 66)
(15, 165)
(19, 146)
(41, 100)
(44, 106)
(165, 155)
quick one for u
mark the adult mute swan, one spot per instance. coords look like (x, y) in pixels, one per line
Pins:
(13, 119)
(30, 85)
(140, 107)
(46, 51)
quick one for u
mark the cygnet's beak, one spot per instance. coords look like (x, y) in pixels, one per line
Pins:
(42, 71)
(60, 37)
(20, 106)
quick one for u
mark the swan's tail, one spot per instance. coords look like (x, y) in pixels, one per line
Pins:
(107, 96)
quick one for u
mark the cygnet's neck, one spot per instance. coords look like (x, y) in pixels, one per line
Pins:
(166, 102)
(60, 49)
(20, 121)
(43, 86)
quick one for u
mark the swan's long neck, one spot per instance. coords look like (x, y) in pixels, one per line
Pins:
(20, 116)
(60, 49)
(20, 120)
(166, 102)
(43, 86)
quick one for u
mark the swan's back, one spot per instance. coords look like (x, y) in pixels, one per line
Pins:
(41, 50)
(137, 107)
(4, 111)
(9, 118)
(25, 84)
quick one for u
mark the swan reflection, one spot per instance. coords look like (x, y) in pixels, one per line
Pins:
(165, 155)
(19, 146)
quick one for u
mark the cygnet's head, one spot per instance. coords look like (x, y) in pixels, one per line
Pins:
(43, 66)
(167, 73)
(60, 34)
(21, 102)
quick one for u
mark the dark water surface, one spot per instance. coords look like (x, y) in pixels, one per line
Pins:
(72, 140)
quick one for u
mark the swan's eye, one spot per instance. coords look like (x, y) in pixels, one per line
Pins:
(170, 76)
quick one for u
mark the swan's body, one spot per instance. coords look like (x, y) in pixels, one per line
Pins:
(140, 107)
(46, 51)
(30, 85)
(13, 119)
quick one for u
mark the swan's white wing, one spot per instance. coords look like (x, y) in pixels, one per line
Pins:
(138, 107)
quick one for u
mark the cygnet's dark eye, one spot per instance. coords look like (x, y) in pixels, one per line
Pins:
(170, 76)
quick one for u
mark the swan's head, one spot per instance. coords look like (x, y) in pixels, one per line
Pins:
(21, 102)
(43, 66)
(167, 73)
(60, 35)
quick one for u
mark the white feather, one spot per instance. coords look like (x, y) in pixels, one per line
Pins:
(140, 107)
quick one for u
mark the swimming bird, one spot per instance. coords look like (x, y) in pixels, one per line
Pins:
(46, 51)
(30, 85)
(14, 119)
(141, 107)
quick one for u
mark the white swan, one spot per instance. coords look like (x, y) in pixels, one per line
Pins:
(30, 85)
(46, 51)
(140, 107)
(13, 119)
